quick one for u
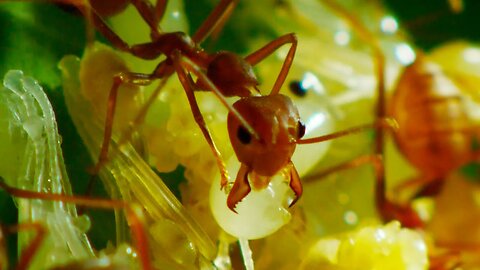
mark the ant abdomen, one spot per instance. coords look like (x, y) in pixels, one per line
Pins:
(231, 74)
(436, 134)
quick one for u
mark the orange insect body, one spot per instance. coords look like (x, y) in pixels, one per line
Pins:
(436, 134)
(232, 74)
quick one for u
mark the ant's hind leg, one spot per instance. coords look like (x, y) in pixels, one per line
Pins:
(271, 47)
(119, 79)
(139, 50)
(215, 21)
(387, 209)
(188, 85)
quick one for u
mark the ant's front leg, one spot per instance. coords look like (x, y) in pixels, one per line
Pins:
(183, 65)
(163, 71)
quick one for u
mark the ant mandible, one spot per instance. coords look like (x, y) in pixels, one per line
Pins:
(264, 130)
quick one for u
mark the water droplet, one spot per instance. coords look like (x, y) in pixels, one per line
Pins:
(342, 37)
(405, 54)
(472, 55)
(389, 25)
(350, 217)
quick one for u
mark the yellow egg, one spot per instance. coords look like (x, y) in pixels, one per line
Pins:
(372, 247)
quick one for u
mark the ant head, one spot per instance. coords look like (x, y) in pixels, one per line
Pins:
(232, 74)
(276, 119)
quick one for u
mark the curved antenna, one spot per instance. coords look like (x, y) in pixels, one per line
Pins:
(366, 36)
(215, 20)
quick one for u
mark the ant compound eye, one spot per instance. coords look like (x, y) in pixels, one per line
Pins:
(297, 88)
(301, 129)
(243, 135)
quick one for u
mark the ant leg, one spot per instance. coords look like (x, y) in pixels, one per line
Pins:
(149, 14)
(240, 188)
(387, 209)
(215, 21)
(142, 51)
(138, 120)
(423, 185)
(188, 85)
(375, 160)
(133, 213)
(183, 63)
(164, 71)
(159, 11)
(448, 260)
(32, 248)
(268, 49)
(374, 43)
(119, 79)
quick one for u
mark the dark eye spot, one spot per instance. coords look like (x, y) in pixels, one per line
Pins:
(301, 129)
(297, 88)
(243, 135)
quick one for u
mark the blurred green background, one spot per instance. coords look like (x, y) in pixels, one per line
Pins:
(35, 36)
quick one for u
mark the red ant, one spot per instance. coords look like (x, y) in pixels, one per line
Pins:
(133, 214)
(264, 130)
(436, 135)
